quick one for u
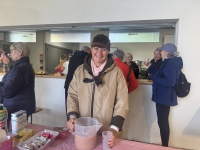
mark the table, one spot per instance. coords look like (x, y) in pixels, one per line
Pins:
(120, 144)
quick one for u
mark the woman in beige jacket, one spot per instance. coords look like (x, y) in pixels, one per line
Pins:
(98, 89)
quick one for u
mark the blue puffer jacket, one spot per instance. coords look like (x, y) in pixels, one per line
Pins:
(17, 87)
(164, 80)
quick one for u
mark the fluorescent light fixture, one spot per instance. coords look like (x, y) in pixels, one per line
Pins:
(72, 37)
(131, 37)
(20, 36)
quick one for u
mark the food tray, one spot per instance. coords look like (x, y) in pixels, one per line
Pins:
(48, 143)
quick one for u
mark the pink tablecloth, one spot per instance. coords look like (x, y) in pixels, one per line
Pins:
(68, 143)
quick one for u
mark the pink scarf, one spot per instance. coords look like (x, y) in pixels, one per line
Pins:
(96, 70)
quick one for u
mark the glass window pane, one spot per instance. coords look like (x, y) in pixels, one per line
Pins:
(20, 36)
(129, 37)
(72, 37)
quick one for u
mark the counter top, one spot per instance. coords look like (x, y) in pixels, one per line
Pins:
(140, 81)
(2, 73)
(44, 76)
(144, 81)
(50, 76)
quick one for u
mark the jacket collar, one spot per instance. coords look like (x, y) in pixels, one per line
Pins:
(87, 64)
(97, 79)
(21, 60)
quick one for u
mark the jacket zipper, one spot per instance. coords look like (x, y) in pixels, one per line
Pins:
(92, 99)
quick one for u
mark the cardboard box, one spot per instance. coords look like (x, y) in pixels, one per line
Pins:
(19, 121)
(6, 145)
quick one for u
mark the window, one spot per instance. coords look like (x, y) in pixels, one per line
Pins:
(20, 36)
(72, 37)
(131, 36)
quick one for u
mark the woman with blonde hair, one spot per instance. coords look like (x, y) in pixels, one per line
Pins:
(17, 86)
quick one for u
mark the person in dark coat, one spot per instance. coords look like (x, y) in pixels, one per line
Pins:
(157, 61)
(164, 79)
(17, 86)
(76, 60)
(133, 65)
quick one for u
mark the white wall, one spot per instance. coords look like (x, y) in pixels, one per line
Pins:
(184, 118)
(52, 100)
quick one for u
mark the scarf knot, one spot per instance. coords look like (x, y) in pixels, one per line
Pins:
(96, 79)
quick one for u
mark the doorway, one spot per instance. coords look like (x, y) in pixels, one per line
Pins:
(52, 56)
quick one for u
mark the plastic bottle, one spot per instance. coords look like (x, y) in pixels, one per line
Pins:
(3, 118)
(2, 135)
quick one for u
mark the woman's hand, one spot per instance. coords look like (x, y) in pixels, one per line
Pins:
(113, 138)
(70, 124)
(148, 64)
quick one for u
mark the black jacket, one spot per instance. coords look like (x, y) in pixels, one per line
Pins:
(76, 60)
(17, 87)
(157, 64)
(135, 69)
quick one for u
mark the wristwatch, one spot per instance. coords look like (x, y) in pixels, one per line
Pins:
(72, 116)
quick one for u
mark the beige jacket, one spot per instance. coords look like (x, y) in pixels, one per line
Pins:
(110, 97)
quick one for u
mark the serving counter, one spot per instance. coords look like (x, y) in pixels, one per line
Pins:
(50, 76)
(140, 81)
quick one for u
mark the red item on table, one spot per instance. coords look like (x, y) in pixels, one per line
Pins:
(46, 135)
(63, 132)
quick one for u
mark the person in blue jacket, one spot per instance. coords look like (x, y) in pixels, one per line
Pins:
(164, 79)
(17, 86)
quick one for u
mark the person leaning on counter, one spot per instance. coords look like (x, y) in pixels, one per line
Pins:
(133, 65)
(132, 84)
(98, 89)
(157, 61)
(17, 86)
